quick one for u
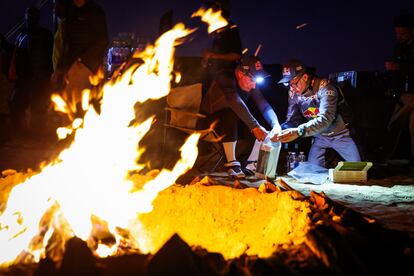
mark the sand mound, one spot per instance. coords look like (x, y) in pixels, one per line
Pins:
(227, 220)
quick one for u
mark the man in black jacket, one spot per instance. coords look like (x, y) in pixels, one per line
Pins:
(401, 70)
(231, 80)
(225, 102)
(85, 38)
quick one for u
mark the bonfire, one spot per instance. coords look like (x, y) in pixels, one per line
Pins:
(91, 211)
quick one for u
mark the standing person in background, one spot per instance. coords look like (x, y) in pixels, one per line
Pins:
(62, 9)
(313, 111)
(402, 83)
(85, 39)
(221, 61)
(226, 48)
(31, 68)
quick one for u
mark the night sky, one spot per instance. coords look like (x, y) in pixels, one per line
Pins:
(339, 35)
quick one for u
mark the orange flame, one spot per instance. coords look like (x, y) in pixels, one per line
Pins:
(89, 179)
(214, 19)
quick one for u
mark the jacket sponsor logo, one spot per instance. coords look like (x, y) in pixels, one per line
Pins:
(311, 112)
(329, 93)
(310, 98)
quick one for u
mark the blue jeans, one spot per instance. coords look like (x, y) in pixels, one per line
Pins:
(342, 143)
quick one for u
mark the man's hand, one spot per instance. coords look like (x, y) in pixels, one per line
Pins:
(288, 135)
(275, 132)
(260, 133)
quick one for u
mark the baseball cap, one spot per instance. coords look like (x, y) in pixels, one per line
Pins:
(291, 70)
(251, 65)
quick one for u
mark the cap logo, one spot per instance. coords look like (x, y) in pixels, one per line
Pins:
(286, 71)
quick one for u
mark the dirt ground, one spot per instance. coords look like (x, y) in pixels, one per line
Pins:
(388, 196)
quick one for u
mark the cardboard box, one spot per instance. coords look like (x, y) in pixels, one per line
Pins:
(348, 172)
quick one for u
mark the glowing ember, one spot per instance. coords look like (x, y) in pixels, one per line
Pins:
(86, 189)
(214, 19)
(301, 26)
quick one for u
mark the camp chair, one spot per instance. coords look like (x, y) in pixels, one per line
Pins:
(182, 114)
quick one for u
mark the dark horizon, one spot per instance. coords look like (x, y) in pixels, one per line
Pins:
(357, 35)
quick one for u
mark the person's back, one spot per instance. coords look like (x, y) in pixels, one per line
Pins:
(86, 35)
(85, 39)
(226, 48)
(62, 9)
(225, 41)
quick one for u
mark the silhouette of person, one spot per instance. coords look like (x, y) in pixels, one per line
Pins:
(32, 64)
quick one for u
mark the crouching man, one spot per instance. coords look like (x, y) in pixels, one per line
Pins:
(225, 102)
(312, 111)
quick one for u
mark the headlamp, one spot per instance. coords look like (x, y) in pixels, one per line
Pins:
(259, 79)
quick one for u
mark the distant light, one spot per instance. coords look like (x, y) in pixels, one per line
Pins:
(259, 80)
(286, 84)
